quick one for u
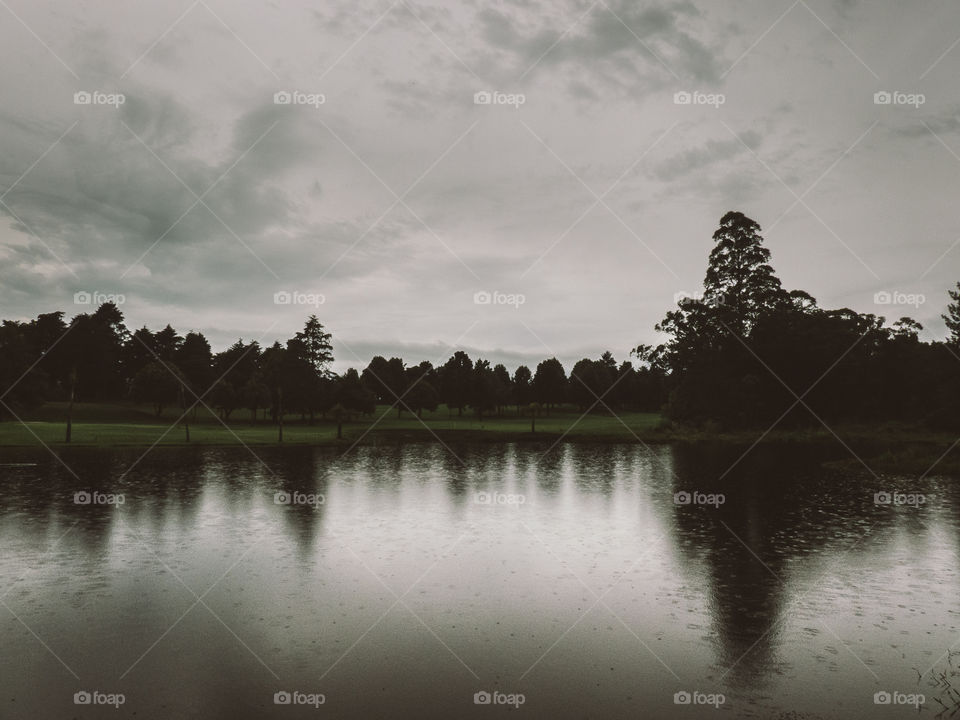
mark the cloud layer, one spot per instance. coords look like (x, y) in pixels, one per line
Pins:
(398, 197)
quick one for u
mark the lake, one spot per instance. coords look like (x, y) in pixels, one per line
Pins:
(475, 581)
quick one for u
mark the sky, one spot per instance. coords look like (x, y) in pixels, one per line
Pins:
(518, 179)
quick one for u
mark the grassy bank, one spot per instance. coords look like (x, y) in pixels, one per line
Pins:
(886, 448)
(107, 425)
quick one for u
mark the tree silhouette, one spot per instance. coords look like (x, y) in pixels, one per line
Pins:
(740, 282)
(952, 316)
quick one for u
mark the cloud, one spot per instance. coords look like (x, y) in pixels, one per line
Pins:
(708, 154)
(620, 44)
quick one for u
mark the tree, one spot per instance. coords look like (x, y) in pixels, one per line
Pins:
(522, 391)
(387, 380)
(503, 387)
(196, 363)
(23, 385)
(352, 395)
(740, 282)
(582, 380)
(483, 388)
(421, 392)
(95, 347)
(713, 370)
(157, 383)
(316, 346)
(272, 365)
(254, 394)
(138, 352)
(550, 383)
(166, 343)
(456, 377)
(234, 367)
(590, 381)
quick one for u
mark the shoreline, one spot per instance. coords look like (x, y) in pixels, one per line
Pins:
(882, 450)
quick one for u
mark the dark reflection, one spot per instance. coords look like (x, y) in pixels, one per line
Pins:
(299, 493)
(549, 462)
(596, 467)
(164, 487)
(782, 520)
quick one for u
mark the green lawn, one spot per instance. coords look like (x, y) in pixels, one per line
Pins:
(909, 450)
(100, 424)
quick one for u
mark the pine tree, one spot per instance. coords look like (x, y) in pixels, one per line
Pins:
(740, 281)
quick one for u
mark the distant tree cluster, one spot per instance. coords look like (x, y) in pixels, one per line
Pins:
(96, 359)
(750, 353)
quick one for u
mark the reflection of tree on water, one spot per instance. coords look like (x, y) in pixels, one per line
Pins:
(756, 545)
(300, 476)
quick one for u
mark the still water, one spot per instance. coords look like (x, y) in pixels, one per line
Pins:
(423, 581)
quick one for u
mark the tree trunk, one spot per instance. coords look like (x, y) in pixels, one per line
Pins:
(280, 415)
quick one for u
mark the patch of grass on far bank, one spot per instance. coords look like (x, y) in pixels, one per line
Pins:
(103, 424)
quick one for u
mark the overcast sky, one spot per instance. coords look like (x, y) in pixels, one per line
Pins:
(588, 189)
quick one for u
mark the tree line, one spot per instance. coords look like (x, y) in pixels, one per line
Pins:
(747, 353)
(95, 358)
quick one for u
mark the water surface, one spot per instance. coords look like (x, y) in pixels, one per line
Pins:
(410, 578)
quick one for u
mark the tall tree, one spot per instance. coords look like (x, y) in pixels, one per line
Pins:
(95, 348)
(316, 345)
(740, 282)
(196, 362)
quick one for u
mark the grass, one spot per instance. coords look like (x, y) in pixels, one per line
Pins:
(887, 448)
(102, 424)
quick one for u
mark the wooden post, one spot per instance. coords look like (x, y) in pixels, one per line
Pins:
(73, 385)
(280, 414)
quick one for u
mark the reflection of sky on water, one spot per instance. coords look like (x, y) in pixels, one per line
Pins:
(597, 595)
